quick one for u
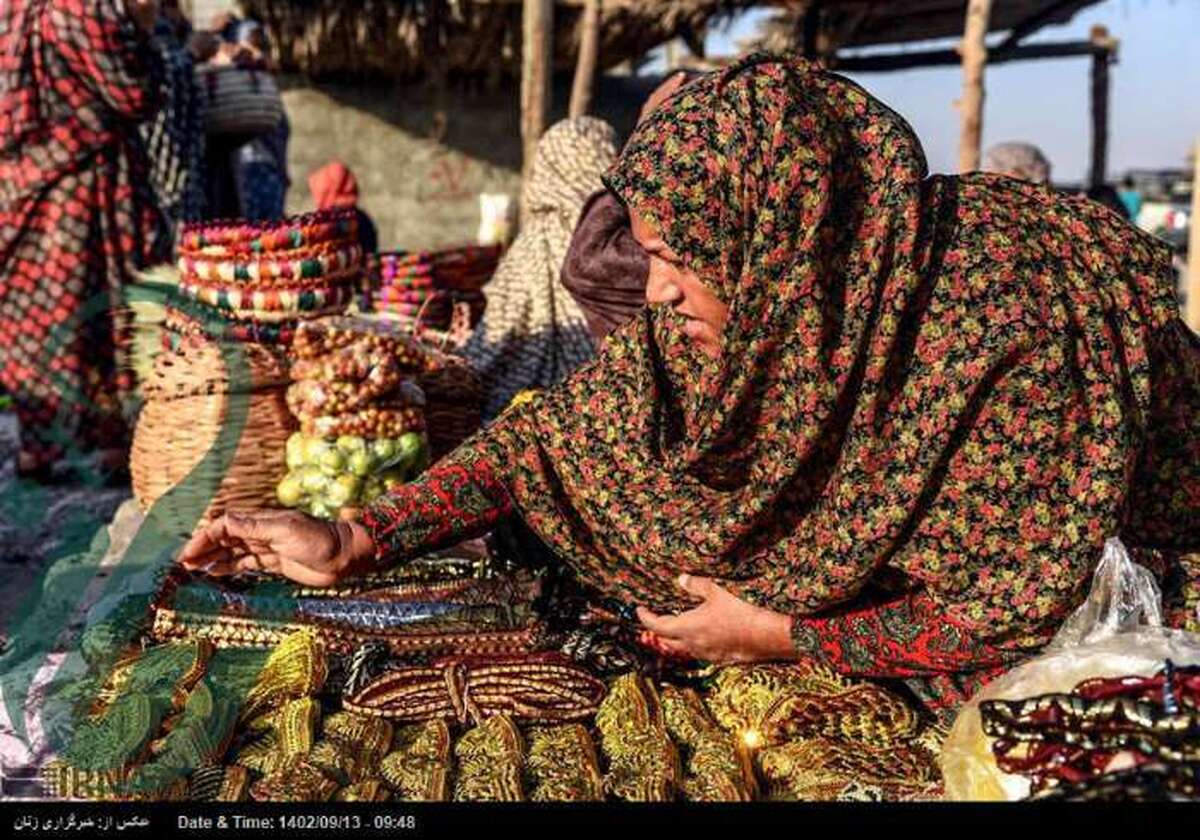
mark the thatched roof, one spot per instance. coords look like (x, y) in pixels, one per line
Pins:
(864, 23)
(411, 39)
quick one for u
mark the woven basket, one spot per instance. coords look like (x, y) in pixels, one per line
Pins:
(185, 431)
(453, 393)
(240, 100)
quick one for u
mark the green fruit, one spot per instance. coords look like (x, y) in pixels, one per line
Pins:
(361, 463)
(410, 444)
(373, 488)
(343, 490)
(315, 448)
(290, 491)
(313, 480)
(332, 462)
(295, 451)
(384, 449)
(351, 443)
(321, 510)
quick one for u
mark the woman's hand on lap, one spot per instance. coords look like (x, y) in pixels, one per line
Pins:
(723, 629)
(310, 551)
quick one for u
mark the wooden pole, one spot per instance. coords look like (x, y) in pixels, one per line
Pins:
(974, 58)
(1193, 280)
(585, 65)
(1101, 57)
(536, 69)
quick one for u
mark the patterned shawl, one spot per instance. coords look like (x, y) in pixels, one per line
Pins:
(533, 333)
(939, 383)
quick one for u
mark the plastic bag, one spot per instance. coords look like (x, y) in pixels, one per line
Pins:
(1117, 631)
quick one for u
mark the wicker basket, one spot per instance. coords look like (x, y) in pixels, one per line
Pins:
(186, 431)
(453, 391)
(240, 100)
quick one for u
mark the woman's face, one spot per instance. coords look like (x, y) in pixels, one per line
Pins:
(672, 283)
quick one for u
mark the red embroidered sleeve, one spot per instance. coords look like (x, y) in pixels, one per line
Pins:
(902, 636)
(459, 498)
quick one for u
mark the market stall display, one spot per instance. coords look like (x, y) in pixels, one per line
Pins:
(361, 413)
(1114, 693)
(423, 287)
(212, 435)
(393, 686)
(1076, 744)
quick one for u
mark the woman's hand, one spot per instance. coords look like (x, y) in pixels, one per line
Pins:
(310, 551)
(721, 630)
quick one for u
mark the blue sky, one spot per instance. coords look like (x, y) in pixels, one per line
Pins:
(1155, 95)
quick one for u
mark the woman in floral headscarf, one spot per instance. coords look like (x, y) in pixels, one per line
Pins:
(873, 417)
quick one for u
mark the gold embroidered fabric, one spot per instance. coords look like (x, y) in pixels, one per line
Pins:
(418, 768)
(643, 764)
(370, 737)
(488, 763)
(718, 769)
(296, 728)
(562, 765)
(296, 668)
(298, 782)
(371, 790)
(262, 755)
(337, 761)
(534, 689)
(807, 700)
(817, 769)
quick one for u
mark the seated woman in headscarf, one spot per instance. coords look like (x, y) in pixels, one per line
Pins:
(334, 186)
(533, 334)
(869, 416)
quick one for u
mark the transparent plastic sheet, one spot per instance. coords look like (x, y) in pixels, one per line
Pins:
(1117, 631)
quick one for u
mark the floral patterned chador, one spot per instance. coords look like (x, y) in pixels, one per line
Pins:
(937, 396)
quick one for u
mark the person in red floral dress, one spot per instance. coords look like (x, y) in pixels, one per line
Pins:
(871, 417)
(76, 216)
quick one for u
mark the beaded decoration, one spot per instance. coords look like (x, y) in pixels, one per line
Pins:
(488, 760)
(324, 263)
(643, 764)
(1070, 737)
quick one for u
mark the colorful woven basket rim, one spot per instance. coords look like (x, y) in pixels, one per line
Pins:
(269, 300)
(242, 234)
